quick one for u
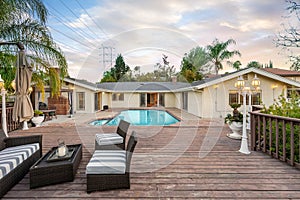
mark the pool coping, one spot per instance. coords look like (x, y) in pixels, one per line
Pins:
(119, 112)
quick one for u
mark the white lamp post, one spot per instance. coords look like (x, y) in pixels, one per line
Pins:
(240, 85)
(3, 92)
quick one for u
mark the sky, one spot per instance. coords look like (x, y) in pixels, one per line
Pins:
(142, 31)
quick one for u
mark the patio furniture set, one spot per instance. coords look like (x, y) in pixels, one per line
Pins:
(109, 167)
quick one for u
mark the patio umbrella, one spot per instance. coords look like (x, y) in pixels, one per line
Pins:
(22, 110)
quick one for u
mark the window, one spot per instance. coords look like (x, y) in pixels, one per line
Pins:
(118, 96)
(234, 97)
(161, 99)
(291, 92)
(256, 98)
(80, 97)
(142, 100)
(184, 100)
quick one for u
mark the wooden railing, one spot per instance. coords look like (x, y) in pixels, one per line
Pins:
(277, 136)
(11, 125)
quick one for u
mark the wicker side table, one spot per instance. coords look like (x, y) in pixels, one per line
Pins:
(44, 172)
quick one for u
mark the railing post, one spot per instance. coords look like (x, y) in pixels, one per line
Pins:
(270, 136)
(277, 139)
(253, 132)
(258, 133)
(292, 144)
(283, 140)
(264, 134)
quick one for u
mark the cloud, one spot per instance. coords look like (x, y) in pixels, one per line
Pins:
(142, 30)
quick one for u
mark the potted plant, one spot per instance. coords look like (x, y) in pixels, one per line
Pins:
(235, 122)
(38, 118)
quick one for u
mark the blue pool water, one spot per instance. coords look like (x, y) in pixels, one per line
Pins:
(140, 118)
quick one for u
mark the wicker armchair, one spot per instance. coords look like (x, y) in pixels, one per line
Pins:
(110, 169)
(18, 173)
(112, 141)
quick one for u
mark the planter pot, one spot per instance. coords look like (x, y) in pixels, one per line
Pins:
(236, 128)
(37, 120)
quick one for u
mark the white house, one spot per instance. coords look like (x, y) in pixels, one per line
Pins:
(206, 98)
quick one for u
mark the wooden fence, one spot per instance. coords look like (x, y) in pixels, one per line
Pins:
(11, 125)
(277, 136)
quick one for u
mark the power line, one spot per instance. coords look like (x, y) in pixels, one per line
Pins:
(99, 27)
(74, 31)
(71, 39)
(59, 19)
(78, 18)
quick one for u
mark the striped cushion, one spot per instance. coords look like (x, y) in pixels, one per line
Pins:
(107, 162)
(11, 157)
(109, 138)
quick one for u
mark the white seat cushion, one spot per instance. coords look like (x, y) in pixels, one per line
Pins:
(107, 162)
(108, 138)
(11, 157)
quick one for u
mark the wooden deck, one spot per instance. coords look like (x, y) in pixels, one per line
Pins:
(193, 159)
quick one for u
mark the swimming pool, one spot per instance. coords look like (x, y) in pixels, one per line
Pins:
(140, 118)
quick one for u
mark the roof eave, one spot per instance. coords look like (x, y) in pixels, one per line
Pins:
(246, 71)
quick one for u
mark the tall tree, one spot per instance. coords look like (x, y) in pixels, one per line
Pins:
(289, 37)
(198, 58)
(25, 21)
(117, 72)
(194, 64)
(236, 65)
(107, 77)
(218, 52)
(120, 68)
(189, 72)
(254, 64)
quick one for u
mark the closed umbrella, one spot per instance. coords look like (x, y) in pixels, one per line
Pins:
(22, 111)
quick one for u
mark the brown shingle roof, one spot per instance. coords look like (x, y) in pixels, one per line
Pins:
(282, 72)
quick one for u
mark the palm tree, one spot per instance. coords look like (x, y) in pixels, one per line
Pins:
(24, 21)
(236, 65)
(218, 53)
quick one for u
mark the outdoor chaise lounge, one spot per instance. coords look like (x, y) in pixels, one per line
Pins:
(112, 141)
(17, 155)
(110, 169)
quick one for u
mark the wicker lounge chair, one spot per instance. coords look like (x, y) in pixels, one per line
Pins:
(12, 150)
(110, 169)
(112, 141)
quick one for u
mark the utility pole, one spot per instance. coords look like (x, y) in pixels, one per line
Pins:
(107, 56)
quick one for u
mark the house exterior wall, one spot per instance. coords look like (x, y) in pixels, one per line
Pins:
(195, 103)
(211, 106)
(89, 100)
(216, 98)
(178, 100)
(170, 100)
(271, 90)
(106, 99)
(131, 100)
